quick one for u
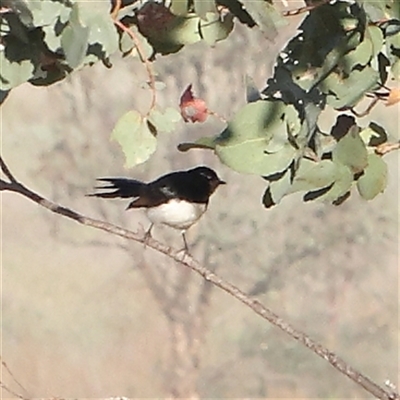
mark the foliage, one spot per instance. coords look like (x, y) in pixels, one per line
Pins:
(344, 53)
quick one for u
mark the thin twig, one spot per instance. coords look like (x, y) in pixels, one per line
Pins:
(114, 13)
(385, 148)
(147, 63)
(304, 9)
(220, 117)
(194, 265)
(6, 388)
(361, 114)
(12, 376)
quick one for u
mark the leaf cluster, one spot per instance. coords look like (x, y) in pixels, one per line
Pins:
(340, 56)
(344, 52)
(43, 41)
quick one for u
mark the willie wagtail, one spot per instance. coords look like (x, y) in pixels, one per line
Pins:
(177, 199)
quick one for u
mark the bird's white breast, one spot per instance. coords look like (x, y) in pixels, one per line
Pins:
(178, 214)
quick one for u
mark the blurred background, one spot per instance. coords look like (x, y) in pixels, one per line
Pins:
(88, 315)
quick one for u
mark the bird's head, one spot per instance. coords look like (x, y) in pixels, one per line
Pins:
(211, 177)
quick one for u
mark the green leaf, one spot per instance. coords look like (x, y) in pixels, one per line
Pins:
(213, 29)
(134, 136)
(102, 30)
(74, 39)
(266, 16)
(374, 179)
(127, 44)
(376, 36)
(361, 55)
(183, 31)
(179, 7)
(342, 184)
(202, 143)
(244, 144)
(347, 92)
(280, 187)
(164, 121)
(249, 157)
(395, 69)
(203, 7)
(374, 135)
(13, 74)
(313, 175)
(46, 13)
(351, 151)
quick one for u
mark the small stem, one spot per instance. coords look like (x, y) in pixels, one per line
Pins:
(114, 13)
(220, 117)
(373, 103)
(385, 148)
(304, 9)
(147, 63)
(14, 378)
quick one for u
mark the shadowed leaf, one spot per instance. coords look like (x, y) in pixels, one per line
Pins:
(351, 151)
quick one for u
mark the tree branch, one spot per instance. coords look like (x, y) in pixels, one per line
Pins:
(188, 261)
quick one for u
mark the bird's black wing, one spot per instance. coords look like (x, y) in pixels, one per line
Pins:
(182, 185)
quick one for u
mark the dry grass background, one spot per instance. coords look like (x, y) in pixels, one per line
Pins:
(79, 319)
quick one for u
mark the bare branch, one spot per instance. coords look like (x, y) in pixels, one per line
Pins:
(209, 276)
(6, 171)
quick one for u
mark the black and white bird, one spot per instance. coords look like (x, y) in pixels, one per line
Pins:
(177, 199)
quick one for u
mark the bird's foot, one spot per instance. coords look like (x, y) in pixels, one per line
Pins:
(185, 249)
(184, 252)
(147, 235)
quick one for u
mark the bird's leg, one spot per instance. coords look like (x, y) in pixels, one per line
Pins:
(147, 235)
(185, 250)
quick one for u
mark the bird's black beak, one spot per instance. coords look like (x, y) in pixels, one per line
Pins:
(221, 182)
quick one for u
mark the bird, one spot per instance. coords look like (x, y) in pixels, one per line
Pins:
(177, 199)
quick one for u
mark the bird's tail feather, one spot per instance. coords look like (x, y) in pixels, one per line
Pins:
(122, 187)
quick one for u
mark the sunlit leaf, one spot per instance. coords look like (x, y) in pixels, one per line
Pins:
(179, 7)
(373, 135)
(203, 7)
(134, 136)
(14, 73)
(213, 29)
(74, 39)
(265, 15)
(374, 179)
(127, 44)
(243, 145)
(164, 121)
